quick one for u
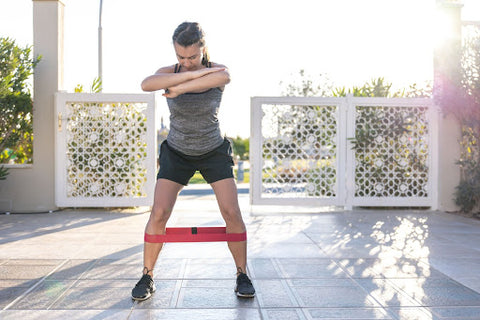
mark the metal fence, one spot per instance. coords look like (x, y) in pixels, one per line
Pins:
(343, 151)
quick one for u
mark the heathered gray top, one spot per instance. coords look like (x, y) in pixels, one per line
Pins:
(194, 126)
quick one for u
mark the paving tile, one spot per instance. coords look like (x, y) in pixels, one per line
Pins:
(202, 298)
(33, 262)
(284, 314)
(323, 282)
(17, 283)
(451, 250)
(386, 293)
(470, 282)
(311, 268)
(99, 298)
(333, 297)
(348, 313)
(196, 250)
(9, 294)
(37, 251)
(104, 270)
(43, 296)
(64, 314)
(168, 268)
(411, 313)
(360, 268)
(263, 269)
(456, 312)
(274, 294)
(365, 264)
(210, 269)
(404, 268)
(71, 269)
(284, 250)
(208, 283)
(276, 235)
(447, 296)
(204, 314)
(107, 283)
(109, 251)
(25, 272)
(438, 292)
(455, 267)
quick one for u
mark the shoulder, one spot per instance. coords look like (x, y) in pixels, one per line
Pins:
(218, 65)
(167, 69)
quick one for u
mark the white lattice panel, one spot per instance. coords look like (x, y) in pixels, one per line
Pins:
(394, 166)
(301, 151)
(105, 150)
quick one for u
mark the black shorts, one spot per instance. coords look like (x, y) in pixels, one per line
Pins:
(178, 167)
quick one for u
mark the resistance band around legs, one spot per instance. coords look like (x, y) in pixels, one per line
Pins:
(196, 234)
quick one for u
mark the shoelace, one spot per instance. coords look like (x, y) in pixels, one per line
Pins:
(242, 278)
(144, 281)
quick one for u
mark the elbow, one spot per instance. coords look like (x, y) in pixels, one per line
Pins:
(226, 77)
(145, 86)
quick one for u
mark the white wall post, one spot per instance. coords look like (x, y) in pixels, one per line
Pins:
(30, 188)
(447, 59)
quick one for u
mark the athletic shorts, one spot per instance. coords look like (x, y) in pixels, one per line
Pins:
(178, 167)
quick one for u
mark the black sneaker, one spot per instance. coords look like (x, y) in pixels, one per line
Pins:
(144, 288)
(244, 287)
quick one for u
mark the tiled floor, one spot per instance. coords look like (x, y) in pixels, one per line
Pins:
(363, 264)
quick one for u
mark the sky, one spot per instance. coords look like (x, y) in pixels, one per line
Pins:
(262, 42)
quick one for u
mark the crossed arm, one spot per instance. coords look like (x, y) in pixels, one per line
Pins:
(176, 84)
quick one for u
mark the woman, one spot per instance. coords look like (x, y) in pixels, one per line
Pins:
(193, 88)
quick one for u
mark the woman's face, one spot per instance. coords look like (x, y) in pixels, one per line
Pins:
(190, 58)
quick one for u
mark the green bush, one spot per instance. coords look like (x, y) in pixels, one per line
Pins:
(16, 128)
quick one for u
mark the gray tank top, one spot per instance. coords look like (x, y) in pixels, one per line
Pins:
(194, 126)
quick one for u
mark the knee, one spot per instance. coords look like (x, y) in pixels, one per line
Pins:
(160, 215)
(232, 215)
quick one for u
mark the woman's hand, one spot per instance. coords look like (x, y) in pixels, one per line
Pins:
(172, 92)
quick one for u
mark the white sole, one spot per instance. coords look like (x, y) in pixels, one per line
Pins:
(244, 295)
(146, 298)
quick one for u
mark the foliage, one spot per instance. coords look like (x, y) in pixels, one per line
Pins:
(16, 105)
(307, 86)
(460, 97)
(380, 88)
(96, 86)
(241, 147)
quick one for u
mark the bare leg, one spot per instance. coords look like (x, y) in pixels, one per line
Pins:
(166, 193)
(227, 198)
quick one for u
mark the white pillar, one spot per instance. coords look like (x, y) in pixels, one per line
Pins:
(30, 188)
(447, 66)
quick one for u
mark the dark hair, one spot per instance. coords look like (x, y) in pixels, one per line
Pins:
(189, 33)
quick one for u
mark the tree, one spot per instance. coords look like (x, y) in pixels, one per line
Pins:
(241, 147)
(306, 85)
(16, 129)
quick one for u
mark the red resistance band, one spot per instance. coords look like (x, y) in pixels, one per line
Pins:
(194, 234)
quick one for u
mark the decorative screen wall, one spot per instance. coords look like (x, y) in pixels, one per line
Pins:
(391, 152)
(296, 151)
(299, 150)
(106, 150)
(342, 151)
